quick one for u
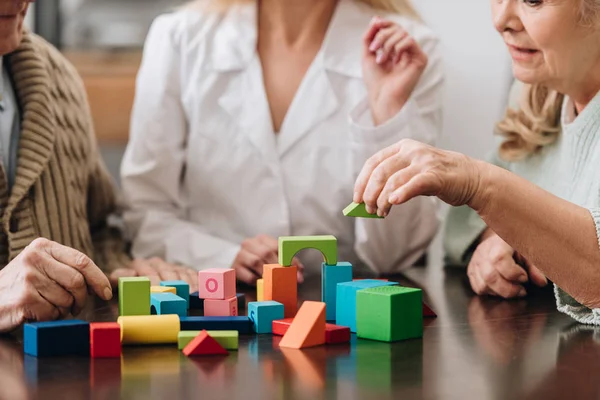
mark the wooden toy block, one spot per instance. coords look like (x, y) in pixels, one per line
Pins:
(281, 285)
(228, 339)
(260, 289)
(204, 345)
(428, 312)
(290, 245)
(162, 289)
(167, 303)
(308, 327)
(216, 283)
(263, 313)
(182, 289)
(371, 279)
(335, 334)
(134, 296)
(389, 313)
(280, 326)
(195, 302)
(358, 210)
(241, 324)
(241, 301)
(331, 275)
(221, 308)
(57, 338)
(105, 340)
(149, 329)
(345, 313)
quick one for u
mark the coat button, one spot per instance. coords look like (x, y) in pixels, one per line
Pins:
(13, 225)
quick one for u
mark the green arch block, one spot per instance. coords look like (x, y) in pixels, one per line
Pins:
(290, 245)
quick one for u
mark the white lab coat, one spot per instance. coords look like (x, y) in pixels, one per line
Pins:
(204, 169)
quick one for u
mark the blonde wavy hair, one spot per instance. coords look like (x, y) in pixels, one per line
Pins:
(402, 7)
(536, 122)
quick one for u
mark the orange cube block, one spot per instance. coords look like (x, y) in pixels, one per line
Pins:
(280, 284)
(308, 327)
(221, 308)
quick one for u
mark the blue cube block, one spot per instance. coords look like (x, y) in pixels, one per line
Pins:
(167, 303)
(346, 300)
(182, 289)
(331, 275)
(57, 338)
(241, 324)
(263, 313)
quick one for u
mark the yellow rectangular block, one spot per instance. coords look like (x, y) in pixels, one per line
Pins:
(162, 289)
(260, 290)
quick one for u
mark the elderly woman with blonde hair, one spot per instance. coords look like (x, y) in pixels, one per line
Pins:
(253, 118)
(538, 217)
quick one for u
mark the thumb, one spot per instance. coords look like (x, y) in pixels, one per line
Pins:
(537, 277)
(120, 273)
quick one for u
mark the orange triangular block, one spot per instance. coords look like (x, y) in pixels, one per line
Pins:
(308, 327)
(204, 345)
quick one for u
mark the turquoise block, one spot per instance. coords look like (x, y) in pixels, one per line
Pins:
(182, 288)
(263, 313)
(168, 303)
(345, 312)
(331, 275)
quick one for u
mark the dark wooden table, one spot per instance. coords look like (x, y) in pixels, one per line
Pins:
(477, 348)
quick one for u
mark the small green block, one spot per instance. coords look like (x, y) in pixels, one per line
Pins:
(389, 313)
(228, 339)
(134, 296)
(358, 210)
(290, 245)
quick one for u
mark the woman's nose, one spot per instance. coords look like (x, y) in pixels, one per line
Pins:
(505, 15)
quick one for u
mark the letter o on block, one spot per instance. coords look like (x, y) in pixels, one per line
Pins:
(216, 283)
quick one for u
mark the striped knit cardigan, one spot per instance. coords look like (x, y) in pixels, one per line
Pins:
(62, 190)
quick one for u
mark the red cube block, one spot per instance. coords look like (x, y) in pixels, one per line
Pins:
(105, 340)
(280, 326)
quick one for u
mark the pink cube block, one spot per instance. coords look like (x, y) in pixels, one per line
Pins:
(221, 308)
(216, 283)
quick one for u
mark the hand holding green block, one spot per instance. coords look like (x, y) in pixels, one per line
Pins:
(358, 210)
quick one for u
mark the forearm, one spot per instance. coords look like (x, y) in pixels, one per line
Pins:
(557, 236)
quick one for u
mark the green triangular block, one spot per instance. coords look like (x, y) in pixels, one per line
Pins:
(358, 211)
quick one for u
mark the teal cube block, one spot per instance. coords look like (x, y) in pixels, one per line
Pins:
(389, 313)
(168, 303)
(345, 311)
(263, 313)
(182, 289)
(331, 275)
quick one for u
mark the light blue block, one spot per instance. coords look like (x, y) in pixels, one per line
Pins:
(167, 303)
(331, 275)
(263, 313)
(182, 289)
(345, 311)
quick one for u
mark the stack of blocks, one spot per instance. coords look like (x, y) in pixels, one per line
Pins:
(217, 288)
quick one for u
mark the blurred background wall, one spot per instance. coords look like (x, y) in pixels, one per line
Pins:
(104, 40)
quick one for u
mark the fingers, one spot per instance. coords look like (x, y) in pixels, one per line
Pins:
(94, 277)
(364, 177)
(406, 44)
(250, 261)
(300, 275)
(166, 271)
(121, 273)
(192, 278)
(67, 277)
(146, 268)
(245, 275)
(395, 181)
(37, 308)
(58, 297)
(537, 277)
(494, 283)
(419, 185)
(375, 26)
(389, 49)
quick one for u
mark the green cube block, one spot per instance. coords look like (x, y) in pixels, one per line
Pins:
(134, 296)
(389, 313)
(228, 339)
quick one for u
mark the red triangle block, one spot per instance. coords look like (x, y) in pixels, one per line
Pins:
(428, 312)
(204, 345)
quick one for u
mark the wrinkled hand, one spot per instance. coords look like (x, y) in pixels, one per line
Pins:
(495, 269)
(157, 270)
(409, 169)
(256, 252)
(393, 63)
(47, 281)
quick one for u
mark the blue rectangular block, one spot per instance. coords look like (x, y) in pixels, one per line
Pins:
(240, 324)
(57, 338)
(182, 289)
(331, 275)
(167, 303)
(263, 313)
(346, 300)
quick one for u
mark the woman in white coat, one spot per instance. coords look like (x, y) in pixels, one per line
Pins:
(252, 121)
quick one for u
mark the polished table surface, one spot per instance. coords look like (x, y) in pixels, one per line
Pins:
(477, 348)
